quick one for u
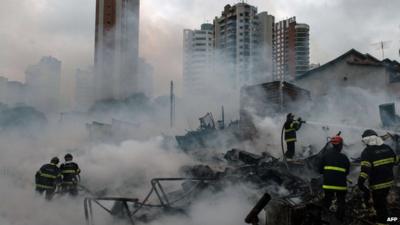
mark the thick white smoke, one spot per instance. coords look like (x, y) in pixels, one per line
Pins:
(350, 110)
(120, 170)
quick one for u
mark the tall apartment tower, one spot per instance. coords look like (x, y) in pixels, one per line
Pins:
(43, 84)
(116, 48)
(235, 33)
(291, 49)
(244, 40)
(265, 30)
(197, 59)
(84, 89)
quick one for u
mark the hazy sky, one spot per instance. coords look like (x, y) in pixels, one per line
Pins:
(65, 29)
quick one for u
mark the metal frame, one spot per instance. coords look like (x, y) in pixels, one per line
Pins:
(156, 187)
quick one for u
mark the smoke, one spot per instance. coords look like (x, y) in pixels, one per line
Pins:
(229, 206)
(126, 168)
(131, 164)
(114, 170)
(350, 110)
(123, 170)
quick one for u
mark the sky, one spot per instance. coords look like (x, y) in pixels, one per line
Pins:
(31, 29)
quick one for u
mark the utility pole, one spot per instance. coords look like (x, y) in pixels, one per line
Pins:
(172, 105)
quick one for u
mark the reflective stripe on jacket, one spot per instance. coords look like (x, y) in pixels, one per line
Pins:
(335, 167)
(377, 163)
(48, 176)
(290, 130)
(70, 171)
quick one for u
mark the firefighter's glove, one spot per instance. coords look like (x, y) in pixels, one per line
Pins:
(301, 120)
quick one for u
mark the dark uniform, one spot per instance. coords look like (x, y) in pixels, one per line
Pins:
(335, 167)
(70, 173)
(47, 179)
(377, 163)
(291, 126)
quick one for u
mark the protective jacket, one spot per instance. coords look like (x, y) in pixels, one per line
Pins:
(48, 176)
(70, 172)
(335, 167)
(291, 126)
(377, 161)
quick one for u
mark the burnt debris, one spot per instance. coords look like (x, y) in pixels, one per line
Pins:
(296, 196)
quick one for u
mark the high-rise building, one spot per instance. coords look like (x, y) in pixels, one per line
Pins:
(264, 59)
(12, 93)
(197, 59)
(235, 33)
(17, 93)
(84, 89)
(43, 84)
(145, 78)
(244, 39)
(291, 49)
(3, 90)
(116, 48)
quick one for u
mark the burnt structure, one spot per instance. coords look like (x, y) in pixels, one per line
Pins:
(268, 99)
(300, 204)
(388, 115)
(209, 135)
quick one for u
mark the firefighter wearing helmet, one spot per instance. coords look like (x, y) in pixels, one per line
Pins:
(71, 175)
(291, 126)
(47, 178)
(377, 161)
(335, 166)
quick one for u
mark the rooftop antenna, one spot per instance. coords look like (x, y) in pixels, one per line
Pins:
(399, 48)
(172, 105)
(382, 45)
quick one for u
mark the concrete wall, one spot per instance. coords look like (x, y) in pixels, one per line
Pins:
(342, 74)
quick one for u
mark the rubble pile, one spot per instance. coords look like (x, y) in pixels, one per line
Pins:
(294, 185)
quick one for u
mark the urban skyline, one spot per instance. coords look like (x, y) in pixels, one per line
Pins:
(324, 46)
(243, 47)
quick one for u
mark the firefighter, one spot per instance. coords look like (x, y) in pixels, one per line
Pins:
(291, 126)
(377, 161)
(47, 178)
(335, 166)
(70, 175)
